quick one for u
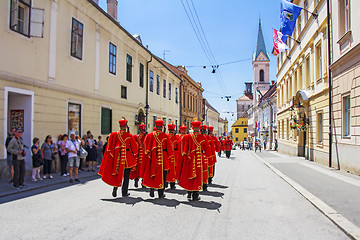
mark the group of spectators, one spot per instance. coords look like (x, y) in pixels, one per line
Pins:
(67, 149)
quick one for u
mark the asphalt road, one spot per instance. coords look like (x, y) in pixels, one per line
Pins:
(247, 201)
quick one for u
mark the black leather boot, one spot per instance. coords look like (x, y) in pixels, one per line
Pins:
(136, 184)
(196, 196)
(114, 193)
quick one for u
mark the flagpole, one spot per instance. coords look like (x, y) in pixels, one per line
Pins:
(312, 13)
(297, 41)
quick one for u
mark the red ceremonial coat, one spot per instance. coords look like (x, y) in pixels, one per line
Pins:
(135, 171)
(215, 148)
(222, 145)
(209, 159)
(159, 157)
(194, 167)
(119, 154)
(171, 175)
(228, 145)
(212, 159)
(180, 157)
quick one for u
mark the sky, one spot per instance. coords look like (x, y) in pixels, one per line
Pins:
(230, 27)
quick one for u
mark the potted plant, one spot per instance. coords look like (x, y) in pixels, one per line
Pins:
(301, 127)
(293, 125)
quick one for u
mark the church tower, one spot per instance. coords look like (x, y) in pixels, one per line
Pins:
(261, 63)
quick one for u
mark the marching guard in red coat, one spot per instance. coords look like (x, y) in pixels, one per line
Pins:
(221, 146)
(171, 175)
(194, 165)
(135, 171)
(228, 146)
(216, 145)
(208, 159)
(156, 163)
(180, 147)
(119, 158)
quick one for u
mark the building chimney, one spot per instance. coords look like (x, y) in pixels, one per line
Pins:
(182, 68)
(272, 82)
(112, 8)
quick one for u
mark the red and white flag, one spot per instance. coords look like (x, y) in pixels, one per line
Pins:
(279, 45)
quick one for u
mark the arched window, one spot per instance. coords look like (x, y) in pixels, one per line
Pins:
(261, 75)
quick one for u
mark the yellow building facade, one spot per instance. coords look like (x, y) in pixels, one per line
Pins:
(302, 87)
(239, 130)
(345, 71)
(70, 66)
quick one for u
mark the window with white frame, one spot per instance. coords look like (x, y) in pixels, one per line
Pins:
(299, 24)
(123, 92)
(141, 75)
(151, 87)
(346, 116)
(320, 127)
(318, 61)
(306, 8)
(176, 95)
(77, 39)
(169, 91)
(112, 58)
(308, 71)
(129, 68)
(347, 15)
(20, 13)
(164, 88)
(157, 84)
(344, 17)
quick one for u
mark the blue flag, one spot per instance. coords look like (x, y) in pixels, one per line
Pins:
(289, 12)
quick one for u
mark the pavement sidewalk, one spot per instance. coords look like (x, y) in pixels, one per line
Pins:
(6, 189)
(335, 193)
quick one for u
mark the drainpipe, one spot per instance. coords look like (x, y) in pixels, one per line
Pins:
(329, 81)
(147, 91)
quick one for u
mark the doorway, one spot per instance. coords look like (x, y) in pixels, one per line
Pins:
(19, 113)
(302, 144)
